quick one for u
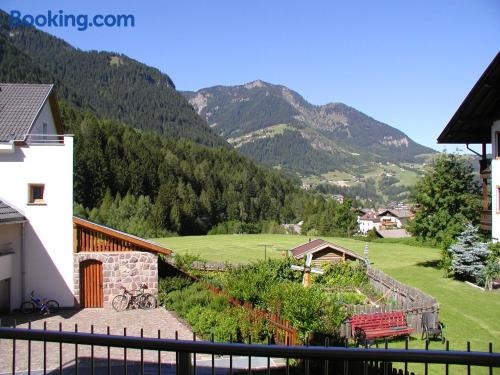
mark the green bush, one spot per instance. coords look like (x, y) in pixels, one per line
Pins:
(494, 251)
(342, 274)
(251, 282)
(169, 284)
(209, 314)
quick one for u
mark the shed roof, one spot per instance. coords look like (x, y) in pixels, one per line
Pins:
(9, 214)
(319, 244)
(141, 243)
(472, 122)
(20, 106)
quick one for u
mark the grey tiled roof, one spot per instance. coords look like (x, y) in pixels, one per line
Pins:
(393, 233)
(19, 106)
(8, 214)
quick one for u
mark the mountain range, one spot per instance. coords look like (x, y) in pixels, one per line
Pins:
(278, 127)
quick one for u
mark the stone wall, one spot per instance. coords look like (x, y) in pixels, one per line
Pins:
(128, 269)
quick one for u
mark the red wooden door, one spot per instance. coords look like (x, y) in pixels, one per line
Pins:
(91, 293)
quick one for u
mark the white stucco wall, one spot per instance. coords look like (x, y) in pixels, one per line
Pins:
(10, 265)
(367, 225)
(46, 117)
(48, 238)
(495, 183)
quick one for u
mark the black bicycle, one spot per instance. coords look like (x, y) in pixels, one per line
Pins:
(135, 298)
(45, 307)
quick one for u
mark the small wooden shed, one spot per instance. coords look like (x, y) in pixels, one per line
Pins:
(324, 252)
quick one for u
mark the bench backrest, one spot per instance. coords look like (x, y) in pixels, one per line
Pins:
(379, 320)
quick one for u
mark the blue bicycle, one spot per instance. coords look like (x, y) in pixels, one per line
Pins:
(45, 307)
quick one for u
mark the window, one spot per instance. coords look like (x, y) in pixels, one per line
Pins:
(36, 192)
(498, 199)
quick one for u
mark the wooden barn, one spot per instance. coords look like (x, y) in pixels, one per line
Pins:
(324, 252)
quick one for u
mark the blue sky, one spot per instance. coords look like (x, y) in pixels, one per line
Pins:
(407, 63)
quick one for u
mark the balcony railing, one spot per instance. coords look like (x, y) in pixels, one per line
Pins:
(45, 139)
(310, 359)
(485, 220)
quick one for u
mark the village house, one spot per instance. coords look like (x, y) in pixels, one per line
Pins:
(384, 219)
(368, 221)
(324, 252)
(394, 218)
(477, 121)
(43, 248)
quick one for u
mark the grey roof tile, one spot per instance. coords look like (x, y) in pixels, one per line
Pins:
(9, 214)
(19, 106)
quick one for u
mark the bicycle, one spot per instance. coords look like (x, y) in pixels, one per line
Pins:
(136, 298)
(45, 307)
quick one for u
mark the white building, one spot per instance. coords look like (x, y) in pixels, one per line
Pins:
(43, 248)
(368, 221)
(394, 218)
(477, 121)
(36, 165)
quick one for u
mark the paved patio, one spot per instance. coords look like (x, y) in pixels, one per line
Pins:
(150, 321)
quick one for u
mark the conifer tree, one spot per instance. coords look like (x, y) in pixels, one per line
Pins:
(469, 254)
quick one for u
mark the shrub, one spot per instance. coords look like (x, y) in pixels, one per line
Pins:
(210, 314)
(494, 248)
(489, 273)
(169, 284)
(343, 274)
(250, 283)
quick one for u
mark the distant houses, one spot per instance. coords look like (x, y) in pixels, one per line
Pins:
(384, 220)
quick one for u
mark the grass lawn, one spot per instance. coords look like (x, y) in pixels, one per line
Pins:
(468, 313)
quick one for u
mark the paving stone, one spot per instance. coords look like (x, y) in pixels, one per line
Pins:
(133, 320)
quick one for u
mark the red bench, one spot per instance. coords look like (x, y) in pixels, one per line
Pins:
(379, 325)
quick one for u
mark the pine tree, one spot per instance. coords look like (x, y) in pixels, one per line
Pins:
(468, 255)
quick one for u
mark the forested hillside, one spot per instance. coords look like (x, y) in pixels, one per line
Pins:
(110, 85)
(189, 187)
(146, 184)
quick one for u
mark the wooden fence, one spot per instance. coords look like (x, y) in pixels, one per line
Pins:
(398, 297)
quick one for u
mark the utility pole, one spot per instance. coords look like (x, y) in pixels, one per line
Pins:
(265, 245)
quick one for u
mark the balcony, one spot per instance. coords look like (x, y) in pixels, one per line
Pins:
(58, 346)
(485, 220)
(45, 139)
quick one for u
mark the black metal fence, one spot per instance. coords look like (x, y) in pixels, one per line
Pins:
(61, 353)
